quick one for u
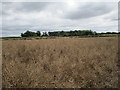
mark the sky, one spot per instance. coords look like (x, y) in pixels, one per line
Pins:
(18, 17)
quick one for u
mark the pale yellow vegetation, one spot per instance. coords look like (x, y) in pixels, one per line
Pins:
(60, 63)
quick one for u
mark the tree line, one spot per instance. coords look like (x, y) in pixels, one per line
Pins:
(63, 33)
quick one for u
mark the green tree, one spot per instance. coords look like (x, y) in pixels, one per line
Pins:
(38, 33)
(45, 34)
(28, 34)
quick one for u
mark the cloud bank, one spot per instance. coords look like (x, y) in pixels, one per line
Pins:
(51, 16)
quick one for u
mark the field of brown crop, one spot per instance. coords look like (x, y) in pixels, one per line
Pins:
(60, 63)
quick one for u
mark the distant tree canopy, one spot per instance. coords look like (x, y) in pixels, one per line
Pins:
(110, 33)
(30, 34)
(44, 34)
(72, 33)
(38, 33)
(64, 33)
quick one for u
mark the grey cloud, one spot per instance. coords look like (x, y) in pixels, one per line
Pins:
(22, 16)
(17, 27)
(25, 7)
(115, 19)
(14, 30)
(89, 10)
(31, 7)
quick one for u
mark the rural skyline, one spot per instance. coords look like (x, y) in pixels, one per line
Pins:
(59, 44)
(55, 16)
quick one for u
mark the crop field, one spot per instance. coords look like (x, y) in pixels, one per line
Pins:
(60, 63)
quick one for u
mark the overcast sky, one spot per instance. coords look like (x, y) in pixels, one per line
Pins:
(51, 16)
